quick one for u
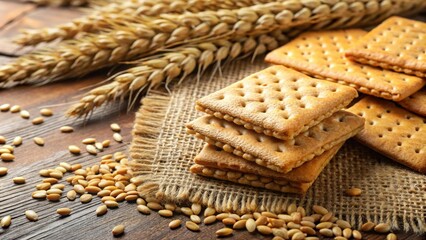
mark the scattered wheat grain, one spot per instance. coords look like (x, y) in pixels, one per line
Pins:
(64, 211)
(175, 224)
(118, 230)
(15, 109)
(192, 226)
(117, 137)
(382, 228)
(24, 114)
(19, 180)
(17, 141)
(224, 232)
(3, 171)
(39, 141)
(38, 120)
(31, 215)
(66, 129)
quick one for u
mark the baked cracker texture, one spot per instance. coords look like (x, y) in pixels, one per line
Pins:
(416, 102)
(276, 154)
(250, 179)
(393, 132)
(321, 55)
(398, 44)
(215, 157)
(277, 101)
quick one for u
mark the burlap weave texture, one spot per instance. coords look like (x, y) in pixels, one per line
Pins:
(164, 152)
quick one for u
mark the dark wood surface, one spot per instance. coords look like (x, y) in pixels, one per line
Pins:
(30, 158)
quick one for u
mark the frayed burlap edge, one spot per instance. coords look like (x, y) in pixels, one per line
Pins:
(146, 130)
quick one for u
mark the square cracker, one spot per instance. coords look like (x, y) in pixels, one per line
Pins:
(214, 157)
(416, 102)
(250, 179)
(398, 44)
(393, 132)
(277, 101)
(276, 154)
(321, 54)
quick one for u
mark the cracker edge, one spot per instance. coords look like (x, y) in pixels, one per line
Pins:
(274, 166)
(301, 189)
(269, 132)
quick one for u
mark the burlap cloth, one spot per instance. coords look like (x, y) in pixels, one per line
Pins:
(164, 152)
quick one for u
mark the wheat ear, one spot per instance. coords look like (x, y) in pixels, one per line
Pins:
(169, 66)
(103, 17)
(165, 68)
(129, 41)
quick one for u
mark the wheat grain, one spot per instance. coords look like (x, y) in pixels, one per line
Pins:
(101, 18)
(146, 35)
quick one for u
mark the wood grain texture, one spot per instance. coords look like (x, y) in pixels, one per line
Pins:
(83, 222)
(10, 11)
(37, 18)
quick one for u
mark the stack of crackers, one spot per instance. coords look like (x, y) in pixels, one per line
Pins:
(387, 63)
(275, 129)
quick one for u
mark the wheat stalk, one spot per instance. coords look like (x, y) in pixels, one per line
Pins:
(103, 17)
(130, 41)
(172, 65)
(182, 61)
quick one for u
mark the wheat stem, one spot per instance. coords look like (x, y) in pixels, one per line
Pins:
(103, 17)
(166, 67)
(130, 41)
(178, 64)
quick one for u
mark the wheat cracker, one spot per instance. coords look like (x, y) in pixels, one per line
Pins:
(249, 179)
(321, 54)
(393, 132)
(416, 103)
(277, 101)
(398, 44)
(278, 155)
(214, 157)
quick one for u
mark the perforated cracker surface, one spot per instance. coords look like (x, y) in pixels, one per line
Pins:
(216, 157)
(321, 54)
(416, 102)
(393, 131)
(278, 155)
(398, 44)
(277, 101)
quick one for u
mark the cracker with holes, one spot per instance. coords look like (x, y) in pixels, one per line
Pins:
(276, 154)
(215, 157)
(216, 163)
(398, 44)
(416, 102)
(393, 132)
(277, 101)
(321, 54)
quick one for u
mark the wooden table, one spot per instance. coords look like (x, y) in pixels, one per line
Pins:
(30, 158)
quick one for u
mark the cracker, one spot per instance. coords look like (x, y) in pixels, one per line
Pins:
(397, 44)
(276, 154)
(251, 179)
(321, 54)
(277, 101)
(393, 132)
(416, 102)
(214, 157)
